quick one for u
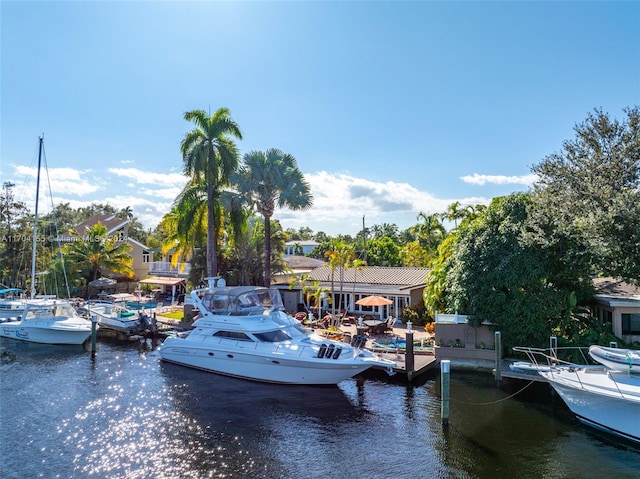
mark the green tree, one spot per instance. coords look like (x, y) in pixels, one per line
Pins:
(414, 255)
(98, 252)
(16, 230)
(592, 187)
(498, 276)
(341, 256)
(270, 180)
(383, 252)
(210, 157)
(429, 231)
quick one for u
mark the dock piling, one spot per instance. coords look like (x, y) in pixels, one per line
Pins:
(94, 332)
(408, 356)
(445, 372)
(498, 346)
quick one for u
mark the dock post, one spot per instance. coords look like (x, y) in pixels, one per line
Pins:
(553, 346)
(94, 332)
(360, 327)
(498, 347)
(408, 356)
(445, 372)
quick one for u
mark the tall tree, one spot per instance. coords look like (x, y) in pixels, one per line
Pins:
(592, 186)
(268, 180)
(187, 224)
(341, 256)
(429, 231)
(210, 155)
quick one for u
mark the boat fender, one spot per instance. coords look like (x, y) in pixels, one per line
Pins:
(322, 350)
(329, 353)
(336, 355)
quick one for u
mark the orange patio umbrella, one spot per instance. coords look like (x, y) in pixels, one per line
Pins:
(374, 301)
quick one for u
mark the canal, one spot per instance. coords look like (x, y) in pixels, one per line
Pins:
(126, 414)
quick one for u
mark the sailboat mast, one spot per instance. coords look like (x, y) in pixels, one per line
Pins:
(35, 225)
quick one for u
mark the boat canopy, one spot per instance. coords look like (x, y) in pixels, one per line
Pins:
(241, 300)
(11, 291)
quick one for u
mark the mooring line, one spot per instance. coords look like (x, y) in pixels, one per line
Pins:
(493, 402)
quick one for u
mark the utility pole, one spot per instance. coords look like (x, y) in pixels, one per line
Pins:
(364, 240)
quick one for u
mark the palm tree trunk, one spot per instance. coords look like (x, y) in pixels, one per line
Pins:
(212, 233)
(267, 251)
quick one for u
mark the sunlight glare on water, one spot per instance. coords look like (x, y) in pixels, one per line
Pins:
(128, 415)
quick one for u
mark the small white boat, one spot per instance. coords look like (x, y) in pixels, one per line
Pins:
(626, 360)
(45, 320)
(605, 399)
(48, 322)
(243, 331)
(14, 300)
(116, 317)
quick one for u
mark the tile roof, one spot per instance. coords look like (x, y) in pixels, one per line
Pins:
(616, 288)
(110, 222)
(302, 262)
(374, 275)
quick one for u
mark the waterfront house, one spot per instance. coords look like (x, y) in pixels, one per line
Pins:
(402, 285)
(141, 254)
(299, 247)
(619, 303)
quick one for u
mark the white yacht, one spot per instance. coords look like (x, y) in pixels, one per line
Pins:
(603, 398)
(243, 331)
(48, 322)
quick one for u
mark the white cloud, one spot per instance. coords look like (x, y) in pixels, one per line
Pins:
(340, 202)
(476, 179)
(143, 177)
(61, 180)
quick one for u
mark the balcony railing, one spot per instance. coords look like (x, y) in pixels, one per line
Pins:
(164, 268)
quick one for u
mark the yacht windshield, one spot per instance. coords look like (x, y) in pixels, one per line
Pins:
(273, 336)
(242, 301)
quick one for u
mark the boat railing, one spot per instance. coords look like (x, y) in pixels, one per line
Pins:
(552, 359)
(570, 356)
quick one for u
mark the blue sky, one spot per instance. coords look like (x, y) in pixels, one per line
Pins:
(390, 108)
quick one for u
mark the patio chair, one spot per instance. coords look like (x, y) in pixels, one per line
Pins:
(391, 322)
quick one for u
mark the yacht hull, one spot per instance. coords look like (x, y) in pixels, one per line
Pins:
(273, 367)
(603, 399)
(46, 333)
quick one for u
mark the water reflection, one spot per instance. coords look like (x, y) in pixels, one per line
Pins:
(126, 414)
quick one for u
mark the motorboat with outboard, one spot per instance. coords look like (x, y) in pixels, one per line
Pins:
(243, 331)
(48, 322)
(116, 319)
(625, 360)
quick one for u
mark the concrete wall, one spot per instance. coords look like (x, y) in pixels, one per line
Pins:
(465, 345)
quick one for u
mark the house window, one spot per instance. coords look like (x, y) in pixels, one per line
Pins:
(146, 257)
(631, 323)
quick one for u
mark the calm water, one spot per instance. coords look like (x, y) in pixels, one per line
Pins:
(127, 415)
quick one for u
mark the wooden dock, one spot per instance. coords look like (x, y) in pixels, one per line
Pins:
(421, 363)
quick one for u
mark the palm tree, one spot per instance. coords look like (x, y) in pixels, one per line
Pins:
(454, 213)
(187, 220)
(268, 180)
(430, 233)
(210, 156)
(98, 251)
(341, 255)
